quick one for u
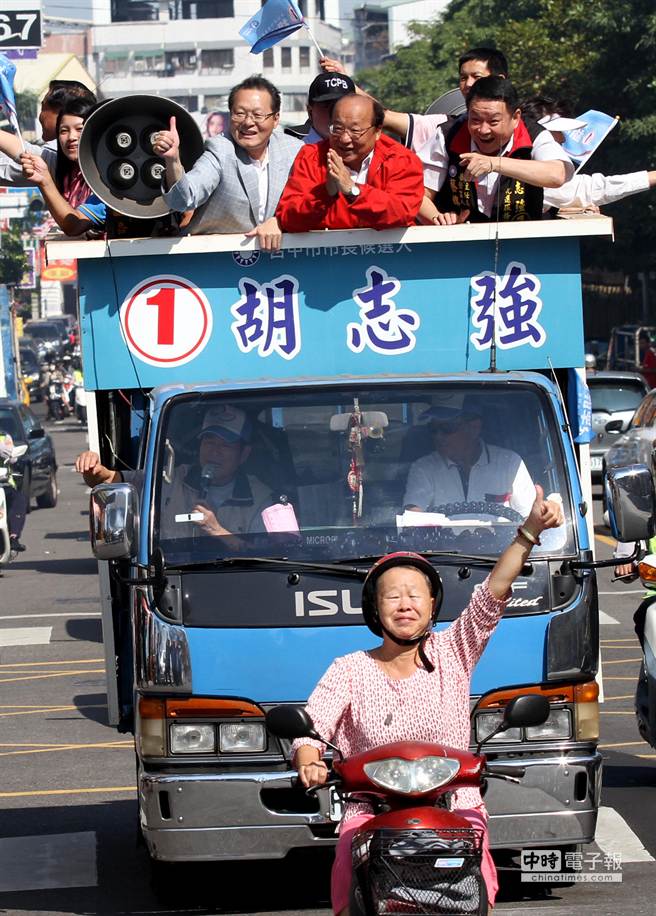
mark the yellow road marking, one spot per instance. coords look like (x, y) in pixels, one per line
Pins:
(646, 756)
(626, 696)
(37, 710)
(625, 744)
(618, 639)
(610, 677)
(605, 539)
(40, 677)
(74, 661)
(103, 745)
(604, 712)
(42, 792)
(614, 661)
(116, 743)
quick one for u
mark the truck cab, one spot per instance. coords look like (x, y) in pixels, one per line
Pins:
(341, 374)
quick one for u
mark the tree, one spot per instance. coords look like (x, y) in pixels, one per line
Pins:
(13, 262)
(594, 53)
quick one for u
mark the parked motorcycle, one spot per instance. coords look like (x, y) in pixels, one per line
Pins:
(415, 856)
(5, 545)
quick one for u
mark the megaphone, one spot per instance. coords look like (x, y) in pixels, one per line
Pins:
(116, 153)
(451, 103)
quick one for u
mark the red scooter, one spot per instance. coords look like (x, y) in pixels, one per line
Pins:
(415, 856)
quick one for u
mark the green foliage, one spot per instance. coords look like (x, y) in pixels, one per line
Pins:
(593, 53)
(13, 261)
(27, 104)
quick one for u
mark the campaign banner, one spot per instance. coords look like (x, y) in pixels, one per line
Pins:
(327, 311)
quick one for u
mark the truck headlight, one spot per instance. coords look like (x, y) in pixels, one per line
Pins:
(192, 739)
(242, 737)
(558, 725)
(412, 777)
(486, 722)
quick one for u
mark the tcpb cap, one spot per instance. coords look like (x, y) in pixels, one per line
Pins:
(229, 423)
(328, 87)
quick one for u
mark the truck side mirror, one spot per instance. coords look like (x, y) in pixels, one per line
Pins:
(114, 521)
(631, 502)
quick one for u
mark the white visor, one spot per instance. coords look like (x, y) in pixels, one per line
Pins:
(555, 122)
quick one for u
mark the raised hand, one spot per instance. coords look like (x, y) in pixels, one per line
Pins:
(545, 513)
(35, 169)
(167, 142)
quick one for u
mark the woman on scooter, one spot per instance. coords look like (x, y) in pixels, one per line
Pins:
(415, 686)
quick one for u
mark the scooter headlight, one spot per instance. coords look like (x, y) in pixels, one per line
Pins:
(412, 777)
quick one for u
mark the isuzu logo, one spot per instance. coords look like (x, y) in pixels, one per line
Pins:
(325, 602)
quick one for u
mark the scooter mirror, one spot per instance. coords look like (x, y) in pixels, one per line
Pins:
(290, 722)
(526, 711)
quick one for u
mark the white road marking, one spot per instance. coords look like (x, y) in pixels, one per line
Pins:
(614, 836)
(31, 863)
(628, 591)
(46, 614)
(606, 618)
(25, 636)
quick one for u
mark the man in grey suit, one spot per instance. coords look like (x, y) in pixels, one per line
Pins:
(237, 182)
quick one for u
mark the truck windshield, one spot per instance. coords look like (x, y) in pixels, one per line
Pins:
(330, 475)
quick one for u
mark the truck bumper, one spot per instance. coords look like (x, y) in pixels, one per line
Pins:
(210, 817)
(555, 803)
(244, 815)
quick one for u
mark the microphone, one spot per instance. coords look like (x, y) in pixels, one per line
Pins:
(206, 478)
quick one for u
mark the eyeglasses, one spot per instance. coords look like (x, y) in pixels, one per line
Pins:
(447, 429)
(258, 116)
(354, 133)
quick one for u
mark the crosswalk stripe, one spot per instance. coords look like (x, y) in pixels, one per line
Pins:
(615, 837)
(25, 636)
(607, 619)
(46, 862)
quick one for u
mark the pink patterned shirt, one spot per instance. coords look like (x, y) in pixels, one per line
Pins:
(357, 706)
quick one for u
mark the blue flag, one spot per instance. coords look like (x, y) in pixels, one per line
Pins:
(580, 406)
(7, 97)
(276, 20)
(581, 143)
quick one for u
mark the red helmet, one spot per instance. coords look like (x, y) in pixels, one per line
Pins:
(401, 558)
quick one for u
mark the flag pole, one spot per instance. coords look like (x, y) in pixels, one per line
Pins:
(314, 41)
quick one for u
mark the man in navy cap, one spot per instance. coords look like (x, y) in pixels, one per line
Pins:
(463, 468)
(213, 496)
(324, 91)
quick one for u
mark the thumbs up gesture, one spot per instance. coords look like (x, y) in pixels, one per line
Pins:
(167, 142)
(545, 513)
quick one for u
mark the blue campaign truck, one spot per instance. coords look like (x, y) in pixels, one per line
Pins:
(336, 352)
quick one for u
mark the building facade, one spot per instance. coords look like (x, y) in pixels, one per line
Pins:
(191, 51)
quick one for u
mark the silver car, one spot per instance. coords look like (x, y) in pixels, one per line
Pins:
(637, 444)
(615, 398)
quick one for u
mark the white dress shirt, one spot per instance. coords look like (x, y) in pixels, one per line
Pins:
(262, 168)
(360, 177)
(597, 189)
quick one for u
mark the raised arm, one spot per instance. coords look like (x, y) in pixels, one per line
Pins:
(396, 121)
(69, 220)
(10, 145)
(544, 514)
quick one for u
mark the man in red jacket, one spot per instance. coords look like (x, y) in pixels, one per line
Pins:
(356, 179)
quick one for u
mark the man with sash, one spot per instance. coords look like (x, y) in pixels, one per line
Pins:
(494, 165)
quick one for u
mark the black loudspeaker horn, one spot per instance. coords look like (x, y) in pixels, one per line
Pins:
(116, 152)
(451, 103)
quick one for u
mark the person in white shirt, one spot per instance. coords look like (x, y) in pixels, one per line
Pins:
(465, 469)
(582, 191)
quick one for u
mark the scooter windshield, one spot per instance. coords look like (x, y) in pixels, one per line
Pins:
(332, 474)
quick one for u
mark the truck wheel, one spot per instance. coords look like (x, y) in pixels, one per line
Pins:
(48, 500)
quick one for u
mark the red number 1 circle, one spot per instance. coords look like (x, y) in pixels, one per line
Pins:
(166, 321)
